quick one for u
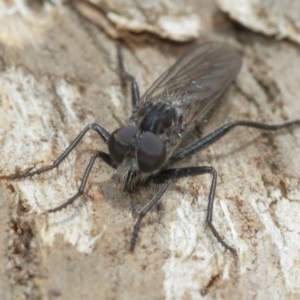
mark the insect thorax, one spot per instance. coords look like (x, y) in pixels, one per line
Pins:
(159, 118)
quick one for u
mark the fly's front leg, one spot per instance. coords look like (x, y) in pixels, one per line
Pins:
(84, 179)
(99, 129)
(135, 92)
(144, 211)
(172, 174)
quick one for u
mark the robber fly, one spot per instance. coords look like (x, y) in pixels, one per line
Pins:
(143, 151)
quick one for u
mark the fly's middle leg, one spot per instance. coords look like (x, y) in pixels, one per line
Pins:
(135, 92)
(173, 174)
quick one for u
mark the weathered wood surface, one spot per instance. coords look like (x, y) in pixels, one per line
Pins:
(58, 72)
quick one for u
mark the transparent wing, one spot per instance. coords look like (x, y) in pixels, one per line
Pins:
(196, 80)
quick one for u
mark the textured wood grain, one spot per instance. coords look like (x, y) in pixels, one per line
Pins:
(279, 19)
(58, 72)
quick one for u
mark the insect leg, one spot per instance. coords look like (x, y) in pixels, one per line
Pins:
(99, 129)
(135, 93)
(220, 132)
(171, 174)
(84, 179)
(144, 211)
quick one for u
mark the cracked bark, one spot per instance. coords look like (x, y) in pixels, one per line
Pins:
(58, 74)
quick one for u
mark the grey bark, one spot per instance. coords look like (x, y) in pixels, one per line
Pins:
(59, 73)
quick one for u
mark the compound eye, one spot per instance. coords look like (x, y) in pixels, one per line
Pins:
(119, 142)
(151, 154)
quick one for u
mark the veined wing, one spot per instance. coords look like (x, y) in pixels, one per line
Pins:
(196, 80)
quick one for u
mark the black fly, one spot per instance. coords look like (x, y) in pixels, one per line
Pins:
(144, 150)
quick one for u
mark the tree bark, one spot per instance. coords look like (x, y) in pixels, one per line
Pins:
(58, 73)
